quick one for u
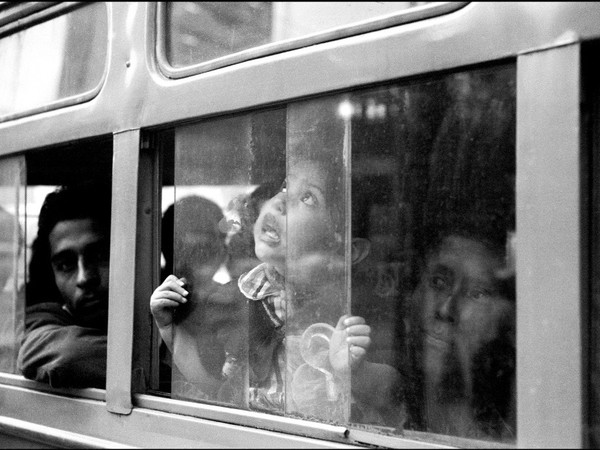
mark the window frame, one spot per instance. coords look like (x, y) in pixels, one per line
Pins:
(413, 14)
(165, 107)
(36, 12)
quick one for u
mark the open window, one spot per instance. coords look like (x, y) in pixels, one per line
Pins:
(382, 203)
(26, 181)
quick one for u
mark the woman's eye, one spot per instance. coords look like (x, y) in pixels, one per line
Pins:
(438, 283)
(477, 294)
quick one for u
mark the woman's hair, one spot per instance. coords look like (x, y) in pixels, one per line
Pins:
(71, 202)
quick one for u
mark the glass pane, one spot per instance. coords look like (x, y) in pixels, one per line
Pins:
(12, 261)
(376, 287)
(433, 167)
(53, 60)
(224, 170)
(318, 380)
(200, 31)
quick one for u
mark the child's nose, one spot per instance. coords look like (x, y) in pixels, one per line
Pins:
(279, 203)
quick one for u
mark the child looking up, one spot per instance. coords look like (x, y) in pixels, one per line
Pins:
(299, 239)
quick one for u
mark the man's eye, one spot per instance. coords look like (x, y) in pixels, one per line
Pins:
(308, 199)
(64, 266)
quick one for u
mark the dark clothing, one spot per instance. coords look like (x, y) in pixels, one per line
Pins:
(57, 351)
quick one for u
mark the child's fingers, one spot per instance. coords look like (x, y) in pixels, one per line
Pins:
(358, 341)
(171, 298)
(341, 325)
(351, 321)
(175, 296)
(164, 303)
(359, 330)
(357, 352)
(172, 283)
(348, 320)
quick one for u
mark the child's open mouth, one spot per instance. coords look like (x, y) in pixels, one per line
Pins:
(270, 230)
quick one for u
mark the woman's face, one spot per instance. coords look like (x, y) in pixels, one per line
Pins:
(297, 221)
(460, 306)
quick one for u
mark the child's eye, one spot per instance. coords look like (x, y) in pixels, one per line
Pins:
(308, 199)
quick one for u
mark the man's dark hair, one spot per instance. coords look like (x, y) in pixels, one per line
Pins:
(70, 202)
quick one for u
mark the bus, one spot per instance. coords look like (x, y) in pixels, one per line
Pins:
(415, 180)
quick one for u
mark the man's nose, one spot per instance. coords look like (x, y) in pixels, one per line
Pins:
(86, 272)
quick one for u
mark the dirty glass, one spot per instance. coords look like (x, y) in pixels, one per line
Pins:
(357, 258)
(224, 170)
(433, 170)
(201, 31)
(12, 261)
(317, 356)
(53, 60)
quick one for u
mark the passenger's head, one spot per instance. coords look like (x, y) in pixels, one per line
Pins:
(242, 256)
(304, 222)
(192, 244)
(464, 320)
(70, 254)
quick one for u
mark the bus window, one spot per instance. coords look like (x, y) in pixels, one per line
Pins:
(223, 170)
(198, 32)
(67, 252)
(69, 50)
(433, 166)
(348, 259)
(12, 260)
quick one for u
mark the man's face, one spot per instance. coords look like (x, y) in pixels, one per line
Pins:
(460, 307)
(297, 219)
(79, 258)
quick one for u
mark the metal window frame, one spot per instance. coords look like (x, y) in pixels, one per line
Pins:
(415, 14)
(549, 340)
(28, 15)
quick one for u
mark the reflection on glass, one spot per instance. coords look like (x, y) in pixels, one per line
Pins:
(375, 287)
(316, 245)
(201, 31)
(12, 262)
(464, 319)
(70, 52)
(433, 170)
(225, 170)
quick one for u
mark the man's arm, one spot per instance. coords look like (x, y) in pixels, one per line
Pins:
(60, 353)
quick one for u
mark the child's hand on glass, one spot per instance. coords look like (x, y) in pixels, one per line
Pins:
(349, 343)
(169, 295)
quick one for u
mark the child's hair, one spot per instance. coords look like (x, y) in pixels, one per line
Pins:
(316, 134)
